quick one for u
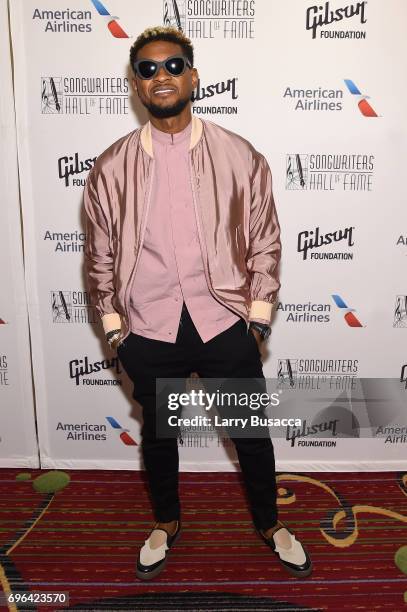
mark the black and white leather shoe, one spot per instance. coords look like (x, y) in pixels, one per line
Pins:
(151, 561)
(296, 559)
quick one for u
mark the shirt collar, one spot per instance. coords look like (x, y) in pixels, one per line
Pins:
(171, 139)
(147, 142)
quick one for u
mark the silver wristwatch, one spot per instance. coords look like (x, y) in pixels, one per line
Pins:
(263, 329)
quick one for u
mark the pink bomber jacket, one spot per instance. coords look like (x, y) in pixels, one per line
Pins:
(238, 228)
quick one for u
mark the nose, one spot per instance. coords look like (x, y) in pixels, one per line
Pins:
(162, 74)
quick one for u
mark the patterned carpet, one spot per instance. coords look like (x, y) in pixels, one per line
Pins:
(80, 531)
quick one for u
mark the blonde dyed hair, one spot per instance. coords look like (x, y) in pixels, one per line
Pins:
(167, 33)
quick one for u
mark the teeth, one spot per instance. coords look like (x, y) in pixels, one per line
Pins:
(163, 90)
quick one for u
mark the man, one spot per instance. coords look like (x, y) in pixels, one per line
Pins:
(182, 250)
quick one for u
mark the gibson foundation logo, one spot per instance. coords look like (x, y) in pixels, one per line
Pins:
(329, 171)
(81, 369)
(216, 89)
(310, 240)
(72, 166)
(84, 95)
(400, 311)
(4, 381)
(227, 19)
(315, 429)
(314, 374)
(72, 307)
(318, 16)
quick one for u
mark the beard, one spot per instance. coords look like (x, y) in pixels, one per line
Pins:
(162, 112)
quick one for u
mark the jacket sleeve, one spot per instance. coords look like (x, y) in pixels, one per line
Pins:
(98, 254)
(264, 243)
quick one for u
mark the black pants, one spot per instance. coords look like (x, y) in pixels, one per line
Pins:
(232, 353)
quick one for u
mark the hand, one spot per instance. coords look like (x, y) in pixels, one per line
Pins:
(258, 337)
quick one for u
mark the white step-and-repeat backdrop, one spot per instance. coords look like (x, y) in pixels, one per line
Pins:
(18, 440)
(319, 89)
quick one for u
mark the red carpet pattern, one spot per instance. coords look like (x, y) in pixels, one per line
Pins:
(80, 531)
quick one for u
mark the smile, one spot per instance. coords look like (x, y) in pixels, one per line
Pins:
(163, 92)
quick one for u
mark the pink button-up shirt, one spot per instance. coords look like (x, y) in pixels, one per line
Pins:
(170, 269)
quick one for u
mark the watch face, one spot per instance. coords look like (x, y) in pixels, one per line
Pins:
(264, 330)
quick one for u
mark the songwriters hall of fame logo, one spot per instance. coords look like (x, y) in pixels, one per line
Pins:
(330, 172)
(209, 19)
(296, 171)
(4, 380)
(174, 14)
(51, 95)
(400, 311)
(72, 307)
(287, 372)
(91, 95)
(315, 374)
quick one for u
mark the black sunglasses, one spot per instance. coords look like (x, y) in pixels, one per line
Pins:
(174, 65)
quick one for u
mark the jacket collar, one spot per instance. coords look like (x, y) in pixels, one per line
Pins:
(147, 142)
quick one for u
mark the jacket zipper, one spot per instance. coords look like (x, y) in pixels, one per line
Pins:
(203, 250)
(144, 224)
(204, 253)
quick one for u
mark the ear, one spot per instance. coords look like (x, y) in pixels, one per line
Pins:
(134, 85)
(195, 78)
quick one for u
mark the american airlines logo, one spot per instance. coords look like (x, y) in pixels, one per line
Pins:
(348, 313)
(112, 23)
